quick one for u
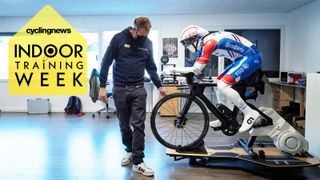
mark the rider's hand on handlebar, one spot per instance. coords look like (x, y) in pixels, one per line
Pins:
(168, 72)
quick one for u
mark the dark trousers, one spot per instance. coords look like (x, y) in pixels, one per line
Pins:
(130, 103)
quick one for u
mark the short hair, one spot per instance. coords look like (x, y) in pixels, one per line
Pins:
(142, 22)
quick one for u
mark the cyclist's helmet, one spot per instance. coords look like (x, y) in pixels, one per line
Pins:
(191, 35)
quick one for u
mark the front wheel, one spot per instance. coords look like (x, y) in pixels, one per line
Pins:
(175, 131)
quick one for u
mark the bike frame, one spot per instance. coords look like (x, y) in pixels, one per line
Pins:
(196, 91)
(227, 117)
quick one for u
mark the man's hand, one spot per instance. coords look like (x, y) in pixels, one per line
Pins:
(163, 91)
(103, 94)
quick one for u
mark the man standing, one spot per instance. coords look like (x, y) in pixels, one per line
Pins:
(132, 52)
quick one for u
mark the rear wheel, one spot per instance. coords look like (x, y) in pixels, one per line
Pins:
(174, 131)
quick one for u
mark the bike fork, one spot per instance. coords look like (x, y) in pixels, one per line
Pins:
(184, 111)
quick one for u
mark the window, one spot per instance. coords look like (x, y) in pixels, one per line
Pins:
(107, 36)
(268, 43)
(92, 51)
(4, 43)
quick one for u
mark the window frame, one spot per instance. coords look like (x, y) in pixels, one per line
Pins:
(12, 34)
(98, 49)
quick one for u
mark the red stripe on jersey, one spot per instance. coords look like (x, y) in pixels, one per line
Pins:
(237, 37)
(228, 79)
(233, 54)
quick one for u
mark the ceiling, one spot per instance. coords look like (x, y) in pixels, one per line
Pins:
(148, 7)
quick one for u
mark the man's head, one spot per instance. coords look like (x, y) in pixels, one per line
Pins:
(191, 35)
(141, 26)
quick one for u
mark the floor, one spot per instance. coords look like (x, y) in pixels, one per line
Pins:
(68, 147)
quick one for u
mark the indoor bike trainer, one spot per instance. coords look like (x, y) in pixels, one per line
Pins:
(184, 130)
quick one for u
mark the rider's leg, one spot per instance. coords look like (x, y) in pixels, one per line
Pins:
(250, 115)
(222, 99)
(241, 69)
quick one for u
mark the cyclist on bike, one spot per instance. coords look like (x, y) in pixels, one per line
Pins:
(244, 54)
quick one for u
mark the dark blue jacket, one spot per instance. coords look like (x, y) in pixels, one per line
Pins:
(131, 57)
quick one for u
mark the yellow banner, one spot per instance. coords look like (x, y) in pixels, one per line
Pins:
(47, 57)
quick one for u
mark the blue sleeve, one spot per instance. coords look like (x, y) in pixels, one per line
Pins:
(107, 60)
(152, 70)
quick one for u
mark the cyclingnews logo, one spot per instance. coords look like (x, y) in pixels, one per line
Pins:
(41, 30)
(47, 56)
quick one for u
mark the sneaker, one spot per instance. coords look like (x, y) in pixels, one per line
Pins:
(143, 169)
(127, 159)
(215, 124)
(248, 121)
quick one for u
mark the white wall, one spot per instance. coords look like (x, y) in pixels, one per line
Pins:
(168, 26)
(312, 132)
(302, 54)
(302, 45)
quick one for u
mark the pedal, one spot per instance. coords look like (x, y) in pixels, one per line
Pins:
(216, 128)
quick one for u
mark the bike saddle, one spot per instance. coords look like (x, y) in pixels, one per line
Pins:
(251, 94)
